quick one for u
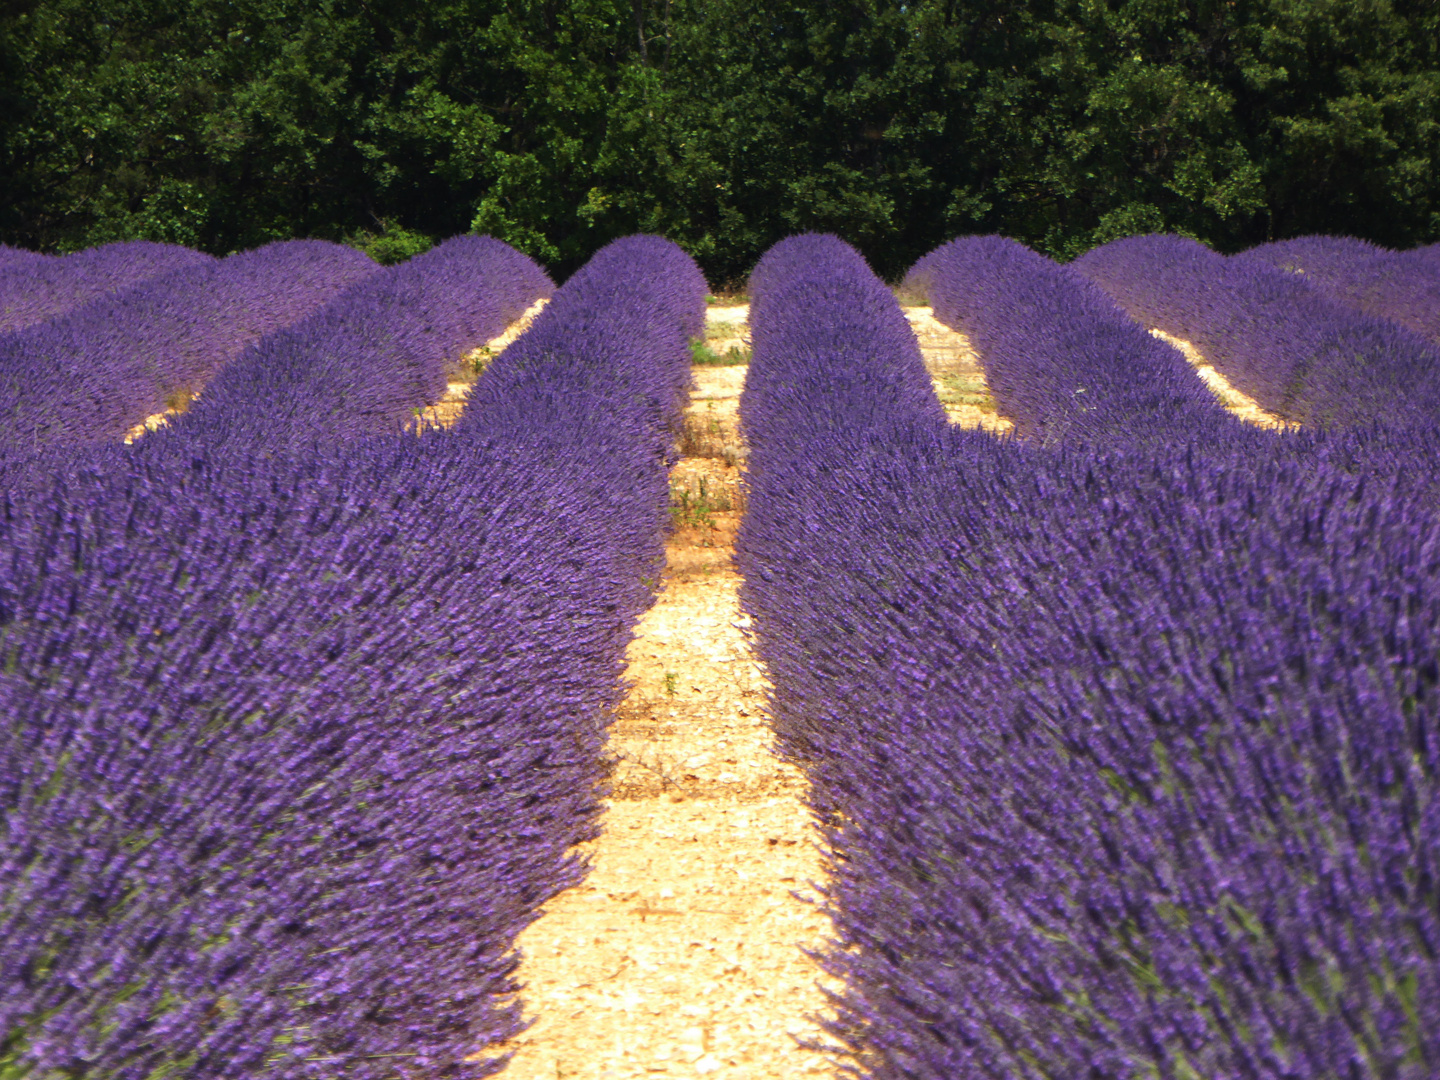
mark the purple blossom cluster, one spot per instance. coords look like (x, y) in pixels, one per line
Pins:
(369, 360)
(1063, 362)
(639, 297)
(1127, 756)
(96, 372)
(1403, 287)
(1299, 354)
(858, 368)
(282, 781)
(11, 256)
(36, 287)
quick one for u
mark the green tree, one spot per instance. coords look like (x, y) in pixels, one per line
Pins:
(725, 124)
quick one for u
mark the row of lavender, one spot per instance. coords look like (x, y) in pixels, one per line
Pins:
(1064, 364)
(36, 287)
(281, 786)
(291, 336)
(1126, 747)
(1320, 331)
(92, 372)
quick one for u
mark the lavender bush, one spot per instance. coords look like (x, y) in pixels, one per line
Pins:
(1127, 759)
(281, 786)
(639, 297)
(858, 368)
(9, 256)
(104, 367)
(1062, 361)
(1363, 276)
(35, 287)
(366, 362)
(1274, 337)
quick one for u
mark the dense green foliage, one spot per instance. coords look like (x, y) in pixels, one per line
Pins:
(723, 124)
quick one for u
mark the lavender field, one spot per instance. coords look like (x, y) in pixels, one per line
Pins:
(1122, 731)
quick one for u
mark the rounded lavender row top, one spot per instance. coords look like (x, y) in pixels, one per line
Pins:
(35, 287)
(832, 352)
(1115, 749)
(365, 362)
(1064, 363)
(98, 371)
(613, 342)
(1402, 286)
(1299, 354)
(14, 256)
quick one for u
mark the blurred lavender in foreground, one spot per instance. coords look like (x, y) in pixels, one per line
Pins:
(299, 742)
(1129, 759)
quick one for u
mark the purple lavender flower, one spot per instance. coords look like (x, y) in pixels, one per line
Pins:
(1400, 286)
(280, 786)
(1274, 337)
(1063, 362)
(369, 360)
(1126, 755)
(36, 287)
(94, 373)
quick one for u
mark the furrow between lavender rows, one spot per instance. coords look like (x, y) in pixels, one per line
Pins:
(681, 953)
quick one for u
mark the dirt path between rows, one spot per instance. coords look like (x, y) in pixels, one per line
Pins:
(682, 952)
(957, 374)
(1240, 404)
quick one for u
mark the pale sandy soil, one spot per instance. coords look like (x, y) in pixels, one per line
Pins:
(1242, 405)
(956, 374)
(157, 420)
(727, 328)
(681, 954)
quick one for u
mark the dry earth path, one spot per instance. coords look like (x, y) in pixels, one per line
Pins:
(1237, 402)
(956, 374)
(681, 954)
(683, 951)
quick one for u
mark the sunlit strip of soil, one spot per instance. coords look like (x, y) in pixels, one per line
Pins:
(957, 374)
(681, 954)
(1237, 402)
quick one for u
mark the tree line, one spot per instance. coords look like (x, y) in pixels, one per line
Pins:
(722, 124)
